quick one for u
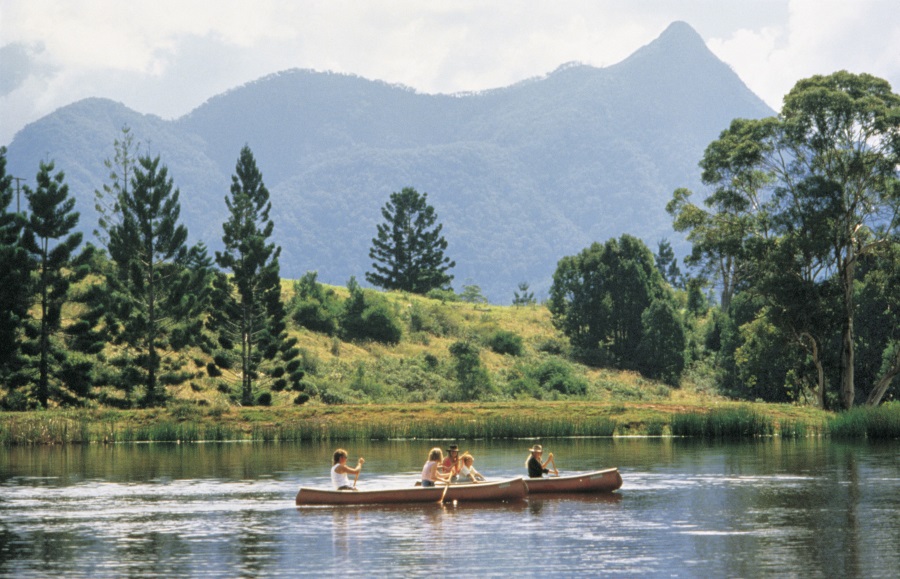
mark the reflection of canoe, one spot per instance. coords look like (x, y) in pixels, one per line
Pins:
(505, 490)
(606, 480)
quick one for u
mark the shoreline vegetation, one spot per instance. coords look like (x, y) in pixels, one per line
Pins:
(187, 423)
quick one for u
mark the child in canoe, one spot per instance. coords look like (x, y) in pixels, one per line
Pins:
(430, 474)
(340, 470)
(467, 470)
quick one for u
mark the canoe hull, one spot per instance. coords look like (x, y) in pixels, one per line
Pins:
(506, 490)
(599, 481)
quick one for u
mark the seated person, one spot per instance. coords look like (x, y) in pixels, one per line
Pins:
(451, 464)
(430, 474)
(340, 470)
(467, 470)
(536, 468)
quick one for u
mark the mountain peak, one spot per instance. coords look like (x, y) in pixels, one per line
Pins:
(679, 33)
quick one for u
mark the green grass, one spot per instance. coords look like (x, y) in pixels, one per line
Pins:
(879, 423)
(725, 423)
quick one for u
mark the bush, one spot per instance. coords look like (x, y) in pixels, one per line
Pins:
(505, 342)
(556, 375)
(264, 399)
(213, 371)
(369, 318)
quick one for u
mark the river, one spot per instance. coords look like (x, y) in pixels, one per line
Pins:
(808, 508)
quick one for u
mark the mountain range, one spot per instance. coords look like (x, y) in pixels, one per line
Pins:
(519, 176)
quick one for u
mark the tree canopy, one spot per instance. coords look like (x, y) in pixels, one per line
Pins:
(409, 249)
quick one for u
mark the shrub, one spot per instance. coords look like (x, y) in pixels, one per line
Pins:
(264, 399)
(556, 375)
(505, 342)
(213, 371)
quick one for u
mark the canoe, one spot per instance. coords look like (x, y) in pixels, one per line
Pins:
(504, 490)
(606, 480)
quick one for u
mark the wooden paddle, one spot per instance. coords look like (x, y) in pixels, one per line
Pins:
(449, 479)
(358, 470)
(555, 470)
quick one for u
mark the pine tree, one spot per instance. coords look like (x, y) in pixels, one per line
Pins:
(409, 248)
(249, 314)
(526, 298)
(51, 246)
(158, 284)
(14, 280)
(121, 170)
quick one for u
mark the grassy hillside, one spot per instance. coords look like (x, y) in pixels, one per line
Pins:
(421, 369)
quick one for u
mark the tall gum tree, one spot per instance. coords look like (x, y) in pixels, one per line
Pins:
(820, 181)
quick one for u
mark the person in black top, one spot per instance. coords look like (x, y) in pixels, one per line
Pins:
(536, 468)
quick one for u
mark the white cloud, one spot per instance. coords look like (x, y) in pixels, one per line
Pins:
(168, 56)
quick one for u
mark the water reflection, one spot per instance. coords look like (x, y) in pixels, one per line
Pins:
(803, 508)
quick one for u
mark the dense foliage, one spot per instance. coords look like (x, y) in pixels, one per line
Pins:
(799, 236)
(409, 248)
(804, 217)
(247, 312)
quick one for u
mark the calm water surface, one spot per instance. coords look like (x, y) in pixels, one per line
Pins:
(687, 509)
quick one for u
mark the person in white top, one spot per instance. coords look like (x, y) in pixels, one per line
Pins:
(430, 474)
(467, 470)
(340, 470)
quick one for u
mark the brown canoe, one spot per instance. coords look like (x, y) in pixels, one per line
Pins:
(504, 490)
(606, 480)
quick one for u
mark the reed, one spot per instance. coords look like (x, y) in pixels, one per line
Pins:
(723, 423)
(878, 423)
(792, 429)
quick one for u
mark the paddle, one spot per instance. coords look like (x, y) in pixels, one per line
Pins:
(358, 470)
(553, 462)
(449, 479)
(444, 494)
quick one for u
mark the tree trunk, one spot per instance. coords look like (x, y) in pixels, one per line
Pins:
(847, 349)
(820, 371)
(881, 385)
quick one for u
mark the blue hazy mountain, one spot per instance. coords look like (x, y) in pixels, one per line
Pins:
(519, 176)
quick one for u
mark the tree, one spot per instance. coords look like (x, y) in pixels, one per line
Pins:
(840, 132)
(50, 245)
(661, 350)
(598, 297)
(474, 380)
(667, 264)
(159, 285)
(106, 199)
(820, 180)
(368, 317)
(14, 277)
(409, 249)
(526, 298)
(249, 310)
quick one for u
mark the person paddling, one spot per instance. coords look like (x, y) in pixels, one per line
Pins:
(430, 474)
(340, 470)
(451, 464)
(536, 468)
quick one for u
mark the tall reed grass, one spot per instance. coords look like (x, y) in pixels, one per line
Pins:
(878, 423)
(725, 423)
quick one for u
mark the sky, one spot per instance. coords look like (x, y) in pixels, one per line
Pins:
(166, 57)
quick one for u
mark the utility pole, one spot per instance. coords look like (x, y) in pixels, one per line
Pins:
(18, 204)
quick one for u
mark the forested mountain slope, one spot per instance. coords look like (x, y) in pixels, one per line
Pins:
(520, 176)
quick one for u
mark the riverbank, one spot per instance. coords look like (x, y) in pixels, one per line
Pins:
(183, 422)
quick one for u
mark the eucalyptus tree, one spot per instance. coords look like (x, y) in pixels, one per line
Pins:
(249, 313)
(821, 181)
(409, 248)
